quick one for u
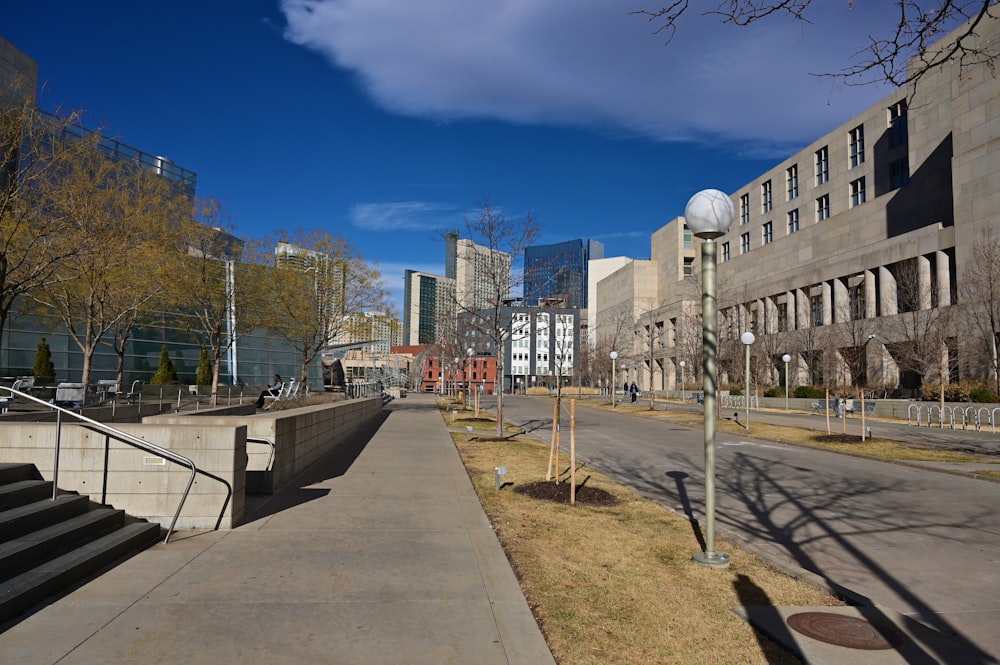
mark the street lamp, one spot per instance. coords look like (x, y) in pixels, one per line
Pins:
(786, 358)
(683, 389)
(709, 214)
(468, 381)
(747, 339)
(864, 380)
(614, 379)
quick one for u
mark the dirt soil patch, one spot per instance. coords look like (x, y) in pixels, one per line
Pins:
(837, 438)
(550, 491)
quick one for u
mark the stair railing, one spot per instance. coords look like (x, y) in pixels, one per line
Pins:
(131, 440)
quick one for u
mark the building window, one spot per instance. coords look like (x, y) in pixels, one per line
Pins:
(897, 124)
(768, 233)
(725, 251)
(688, 238)
(745, 243)
(822, 165)
(857, 297)
(792, 181)
(857, 192)
(793, 221)
(688, 266)
(765, 197)
(816, 308)
(856, 145)
(823, 208)
(899, 173)
(744, 209)
(782, 317)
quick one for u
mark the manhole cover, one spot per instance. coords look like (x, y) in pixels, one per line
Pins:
(845, 631)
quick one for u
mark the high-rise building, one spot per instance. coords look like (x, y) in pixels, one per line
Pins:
(428, 301)
(560, 271)
(480, 273)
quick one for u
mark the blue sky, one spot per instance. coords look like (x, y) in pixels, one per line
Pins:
(386, 121)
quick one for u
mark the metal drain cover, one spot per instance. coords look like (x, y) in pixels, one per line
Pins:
(845, 631)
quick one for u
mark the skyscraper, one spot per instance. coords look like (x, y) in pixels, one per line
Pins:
(560, 271)
(478, 271)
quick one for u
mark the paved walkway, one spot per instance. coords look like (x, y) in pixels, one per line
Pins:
(380, 553)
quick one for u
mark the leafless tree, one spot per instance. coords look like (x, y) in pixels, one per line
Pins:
(979, 292)
(488, 313)
(651, 335)
(320, 287)
(901, 53)
(121, 218)
(219, 292)
(35, 150)
(612, 335)
(922, 326)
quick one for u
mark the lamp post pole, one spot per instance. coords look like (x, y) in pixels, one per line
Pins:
(614, 377)
(468, 381)
(683, 387)
(786, 358)
(747, 339)
(709, 215)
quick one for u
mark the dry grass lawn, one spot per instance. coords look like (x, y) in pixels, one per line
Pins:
(616, 584)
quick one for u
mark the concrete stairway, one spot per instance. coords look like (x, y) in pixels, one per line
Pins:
(48, 547)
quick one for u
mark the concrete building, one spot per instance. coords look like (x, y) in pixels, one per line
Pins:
(428, 303)
(854, 255)
(475, 269)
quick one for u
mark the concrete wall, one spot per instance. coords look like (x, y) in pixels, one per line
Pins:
(145, 486)
(141, 483)
(301, 436)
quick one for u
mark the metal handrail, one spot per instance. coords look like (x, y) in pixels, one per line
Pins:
(267, 442)
(135, 442)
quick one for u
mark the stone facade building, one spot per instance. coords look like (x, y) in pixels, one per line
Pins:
(854, 255)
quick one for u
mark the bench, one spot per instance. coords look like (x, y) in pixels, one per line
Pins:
(71, 394)
(289, 389)
(821, 406)
(22, 385)
(134, 393)
(869, 406)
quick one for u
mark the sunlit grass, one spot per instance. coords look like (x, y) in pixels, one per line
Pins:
(617, 584)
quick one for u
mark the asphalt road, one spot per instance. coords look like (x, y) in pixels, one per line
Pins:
(924, 543)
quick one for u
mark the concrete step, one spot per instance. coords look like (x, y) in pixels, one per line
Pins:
(20, 492)
(11, 472)
(29, 517)
(19, 554)
(56, 576)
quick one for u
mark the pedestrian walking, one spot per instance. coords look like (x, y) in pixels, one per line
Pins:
(634, 390)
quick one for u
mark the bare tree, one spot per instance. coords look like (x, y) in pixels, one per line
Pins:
(923, 327)
(35, 149)
(319, 288)
(612, 336)
(902, 53)
(120, 219)
(651, 333)
(219, 294)
(504, 239)
(980, 296)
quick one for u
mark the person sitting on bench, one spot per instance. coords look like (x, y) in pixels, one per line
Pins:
(273, 390)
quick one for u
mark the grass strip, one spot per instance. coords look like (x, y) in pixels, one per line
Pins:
(616, 584)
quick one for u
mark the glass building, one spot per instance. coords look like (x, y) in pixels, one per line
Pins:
(560, 271)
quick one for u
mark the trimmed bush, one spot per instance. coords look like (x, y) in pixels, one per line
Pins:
(809, 392)
(166, 372)
(44, 369)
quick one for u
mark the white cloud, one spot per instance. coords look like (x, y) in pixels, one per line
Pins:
(591, 63)
(404, 216)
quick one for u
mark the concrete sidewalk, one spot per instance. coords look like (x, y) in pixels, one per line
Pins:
(380, 553)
